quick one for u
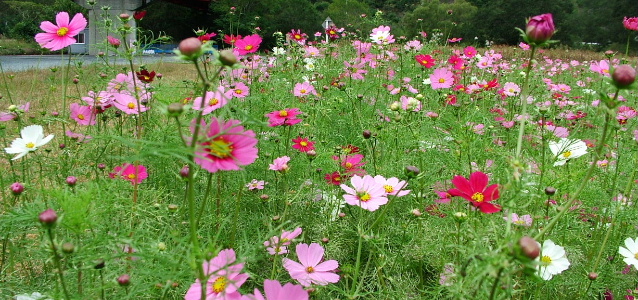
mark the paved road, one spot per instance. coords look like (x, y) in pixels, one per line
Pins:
(14, 63)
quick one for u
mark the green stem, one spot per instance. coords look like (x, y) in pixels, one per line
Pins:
(524, 93)
(496, 280)
(56, 262)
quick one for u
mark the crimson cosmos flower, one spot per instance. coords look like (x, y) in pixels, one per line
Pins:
(476, 191)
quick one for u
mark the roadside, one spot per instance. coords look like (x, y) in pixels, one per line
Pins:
(16, 63)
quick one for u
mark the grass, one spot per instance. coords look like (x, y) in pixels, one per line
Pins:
(399, 251)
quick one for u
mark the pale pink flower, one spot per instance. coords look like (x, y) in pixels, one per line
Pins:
(128, 104)
(511, 89)
(393, 186)
(273, 290)
(83, 115)
(284, 117)
(524, 220)
(304, 89)
(224, 278)
(256, 185)
(381, 35)
(14, 111)
(366, 193)
(60, 35)
(310, 270)
(213, 100)
(600, 67)
(280, 164)
(278, 244)
(240, 90)
(441, 78)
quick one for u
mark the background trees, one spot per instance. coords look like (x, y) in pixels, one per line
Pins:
(580, 23)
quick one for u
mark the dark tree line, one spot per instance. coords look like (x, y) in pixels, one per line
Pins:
(580, 23)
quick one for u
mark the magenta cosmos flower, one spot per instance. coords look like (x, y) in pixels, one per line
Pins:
(441, 78)
(249, 44)
(285, 117)
(540, 28)
(224, 146)
(303, 144)
(224, 278)
(310, 270)
(277, 244)
(366, 193)
(134, 174)
(275, 291)
(60, 35)
(476, 191)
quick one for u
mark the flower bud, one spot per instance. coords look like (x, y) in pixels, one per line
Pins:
(550, 191)
(98, 264)
(124, 280)
(623, 76)
(227, 58)
(68, 248)
(540, 28)
(48, 217)
(412, 171)
(395, 106)
(71, 181)
(416, 212)
(592, 276)
(175, 109)
(367, 134)
(530, 248)
(184, 171)
(17, 188)
(124, 17)
(191, 48)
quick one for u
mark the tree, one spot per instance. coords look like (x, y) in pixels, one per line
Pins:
(453, 19)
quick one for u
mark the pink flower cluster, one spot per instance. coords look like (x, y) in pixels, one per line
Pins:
(370, 192)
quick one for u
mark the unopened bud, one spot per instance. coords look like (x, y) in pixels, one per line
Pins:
(17, 188)
(395, 106)
(48, 217)
(529, 247)
(550, 191)
(412, 171)
(623, 76)
(68, 248)
(98, 264)
(184, 171)
(124, 17)
(227, 58)
(124, 280)
(71, 181)
(191, 48)
(592, 276)
(367, 134)
(175, 109)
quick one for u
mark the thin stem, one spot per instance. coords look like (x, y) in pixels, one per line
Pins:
(524, 93)
(496, 280)
(56, 261)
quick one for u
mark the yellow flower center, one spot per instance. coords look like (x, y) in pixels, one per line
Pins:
(131, 176)
(62, 31)
(81, 116)
(220, 284)
(30, 145)
(303, 143)
(519, 222)
(131, 105)
(388, 188)
(546, 260)
(297, 37)
(238, 91)
(310, 270)
(283, 113)
(364, 197)
(213, 101)
(478, 197)
(636, 255)
(349, 165)
(567, 154)
(248, 47)
(441, 80)
(303, 91)
(220, 148)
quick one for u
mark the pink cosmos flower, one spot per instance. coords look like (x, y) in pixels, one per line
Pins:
(310, 269)
(224, 146)
(511, 89)
(304, 89)
(56, 37)
(113, 41)
(84, 115)
(284, 117)
(352, 164)
(133, 173)
(224, 278)
(213, 100)
(441, 78)
(524, 46)
(100, 100)
(278, 244)
(280, 164)
(366, 193)
(240, 90)
(476, 191)
(524, 220)
(303, 144)
(600, 67)
(128, 104)
(393, 186)
(275, 291)
(469, 51)
(381, 35)
(256, 185)
(248, 44)
(14, 111)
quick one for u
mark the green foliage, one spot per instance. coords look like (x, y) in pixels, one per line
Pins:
(347, 13)
(452, 19)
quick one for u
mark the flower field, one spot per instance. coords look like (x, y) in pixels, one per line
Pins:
(350, 167)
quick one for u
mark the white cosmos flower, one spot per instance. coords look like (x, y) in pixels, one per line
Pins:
(566, 149)
(31, 138)
(631, 252)
(552, 260)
